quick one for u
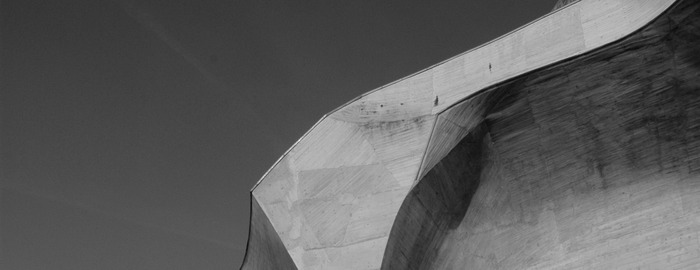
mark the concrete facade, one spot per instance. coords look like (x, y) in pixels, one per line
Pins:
(569, 143)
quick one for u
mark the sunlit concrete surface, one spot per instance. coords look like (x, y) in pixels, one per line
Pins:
(569, 143)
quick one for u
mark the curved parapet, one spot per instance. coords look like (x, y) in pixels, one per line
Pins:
(400, 176)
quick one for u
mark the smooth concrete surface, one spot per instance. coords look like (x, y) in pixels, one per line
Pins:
(450, 168)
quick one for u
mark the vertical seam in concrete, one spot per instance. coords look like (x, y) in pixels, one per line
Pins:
(425, 152)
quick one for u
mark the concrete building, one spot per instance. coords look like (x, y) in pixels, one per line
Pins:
(572, 142)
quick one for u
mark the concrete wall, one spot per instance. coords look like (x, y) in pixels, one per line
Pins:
(593, 163)
(265, 249)
(334, 200)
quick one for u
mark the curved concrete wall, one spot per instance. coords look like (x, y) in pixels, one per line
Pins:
(593, 163)
(265, 250)
(332, 200)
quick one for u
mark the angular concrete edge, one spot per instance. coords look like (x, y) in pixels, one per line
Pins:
(264, 249)
(530, 118)
(397, 122)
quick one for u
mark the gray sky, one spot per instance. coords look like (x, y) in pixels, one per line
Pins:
(131, 132)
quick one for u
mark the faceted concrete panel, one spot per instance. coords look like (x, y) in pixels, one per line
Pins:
(435, 206)
(265, 249)
(401, 145)
(401, 176)
(340, 187)
(453, 125)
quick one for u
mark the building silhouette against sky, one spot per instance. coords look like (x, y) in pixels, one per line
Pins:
(572, 142)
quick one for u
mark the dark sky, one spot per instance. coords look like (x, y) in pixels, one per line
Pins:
(131, 132)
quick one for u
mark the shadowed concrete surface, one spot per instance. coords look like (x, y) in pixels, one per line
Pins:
(590, 162)
(436, 206)
(266, 249)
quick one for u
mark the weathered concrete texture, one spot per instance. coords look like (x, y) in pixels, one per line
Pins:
(590, 164)
(333, 198)
(426, 173)
(265, 249)
(435, 206)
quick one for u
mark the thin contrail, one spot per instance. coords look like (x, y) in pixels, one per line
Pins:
(149, 23)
